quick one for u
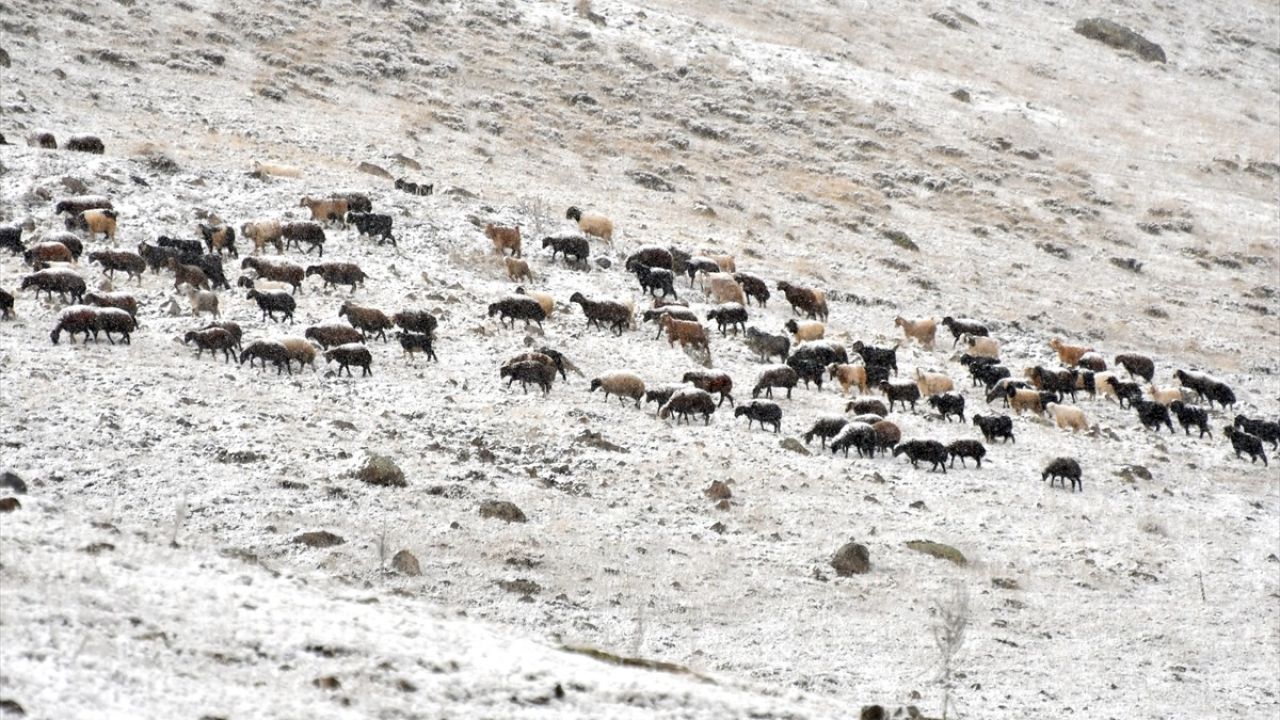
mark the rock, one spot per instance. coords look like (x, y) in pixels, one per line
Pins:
(9, 504)
(98, 548)
(11, 480)
(604, 263)
(901, 239)
(1005, 583)
(703, 209)
(650, 181)
(1120, 37)
(11, 708)
(520, 586)
(459, 193)
(328, 682)
(872, 712)
(724, 505)
(794, 446)
(319, 539)
(718, 491)
(938, 550)
(382, 471)
(4, 58)
(407, 161)
(718, 527)
(371, 169)
(74, 185)
(596, 440)
(502, 510)
(962, 95)
(406, 563)
(851, 559)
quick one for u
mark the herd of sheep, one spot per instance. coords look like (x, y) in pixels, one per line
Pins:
(804, 355)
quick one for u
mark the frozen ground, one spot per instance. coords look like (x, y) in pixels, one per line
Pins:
(792, 138)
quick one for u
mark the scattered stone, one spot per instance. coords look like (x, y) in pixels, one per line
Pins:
(1130, 264)
(406, 563)
(376, 171)
(718, 490)
(98, 548)
(11, 707)
(918, 505)
(851, 559)
(901, 239)
(328, 682)
(319, 539)
(459, 193)
(239, 457)
(1120, 37)
(794, 446)
(406, 161)
(938, 550)
(9, 504)
(405, 686)
(4, 62)
(650, 181)
(11, 480)
(74, 184)
(718, 527)
(520, 586)
(1005, 583)
(604, 263)
(382, 471)
(502, 510)
(962, 95)
(596, 440)
(724, 505)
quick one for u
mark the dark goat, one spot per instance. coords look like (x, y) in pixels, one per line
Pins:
(948, 404)
(904, 392)
(930, 451)
(763, 412)
(825, 428)
(517, 307)
(1063, 469)
(1242, 441)
(857, 435)
(654, 257)
(272, 302)
(995, 426)
(414, 188)
(1264, 429)
(964, 326)
(1137, 365)
(966, 449)
(412, 342)
(1059, 382)
(882, 357)
(1152, 415)
(730, 314)
(653, 279)
(812, 302)
(599, 313)
(766, 345)
(375, 225)
(1129, 392)
(753, 287)
(575, 248)
(299, 233)
(1190, 415)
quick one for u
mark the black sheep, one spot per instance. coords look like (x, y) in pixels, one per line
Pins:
(662, 393)
(964, 326)
(729, 314)
(309, 233)
(1242, 441)
(1220, 393)
(753, 287)
(413, 342)
(1190, 415)
(860, 436)
(654, 257)
(825, 428)
(6, 304)
(906, 392)
(807, 369)
(417, 321)
(1263, 429)
(188, 249)
(699, 264)
(1198, 382)
(866, 406)
(1129, 392)
(951, 403)
(350, 354)
(272, 302)
(375, 225)
(995, 426)
(267, 351)
(414, 188)
(654, 279)
(1137, 365)
(517, 307)
(599, 313)
(86, 143)
(778, 376)
(930, 451)
(883, 357)
(529, 371)
(1152, 415)
(1063, 469)
(11, 239)
(763, 412)
(575, 248)
(966, 449)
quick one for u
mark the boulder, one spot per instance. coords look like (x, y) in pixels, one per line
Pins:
(1120, 37)
(851, 559)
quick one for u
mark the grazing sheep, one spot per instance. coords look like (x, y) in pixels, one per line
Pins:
(377, 225)
(547, 302)
(995, 426)
(279, 270)
(301, 350)
(688, 333)
(1242, 441)
(272, 302)
(966, 449)
(857, 435)
(592, 224)
(1152, 415)
(949, 403)
(419, 321)
(713, 381)
(763, 412)
(732, 315)
(75, 205)
(686, 402)
(333, 334)
(678, 312)
(964, 326)
(865, 406)
(848, 376)
(56, 280)
(554, 364)
(72, 320)
(882, 357)
(229, 326)
(517, 307)
(123, 301)
(1124, 392)
(529, 371)
(625, 385)
(888, 435)
(930, 451)
(218, 238)
(1092, 361)
(350, 354)
(650, 256)
(68, 239)
(1190, 415)
(86, 143)
(983, 347)
(1070, 417)
(1060, 382)
(329, 210)
(575, 248)
(1220, 393)
(338, 273)
(367, 320)
(1263, 429)
(201, 301)
(809, 368)
(825, 428)
(1063, 469)
(189, 274)
(1024, 399)
(1164, 396)
(599, 313)
(933, 383)
(662, 393)
(654, 279)
(1137, 365)
(1069, 354)
(120, 260)
(812, 302)
(6, 305)
(504, 238)
(213, 340)
(413, 188)
(901, 391)
(157, 257)
(51, 252)
(94, 222)
(753, 286)
(356, 202)
(805, 331)
(43, 140)
(114, 320)
(922, 330)
(11, 239)
(299, 233)
(263, 232)
(766, 345)
(777, 376)
(724, 289)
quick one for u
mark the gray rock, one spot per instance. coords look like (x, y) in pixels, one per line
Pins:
(962, 95)
(382, 471)
(4, 58)
(650, 181)
(938, 550)
(604, 262)
(851, 559)
(502, 510)
(319, 539)
(405, 562)
(718, 491)
(11, 480)
(74, 184)
(371, 169)
(9, 504)
(1120, 37)
(794, 446)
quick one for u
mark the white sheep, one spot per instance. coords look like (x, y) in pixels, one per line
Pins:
(1165, 395)
(300, 349)
(805, 330)
(547, 302)
(923, 330)
(987, 347)
(933, 383)
(517, 269)
(1067, 417)
(622, 383)
(592, 224)
(201, 300)
(724, 289)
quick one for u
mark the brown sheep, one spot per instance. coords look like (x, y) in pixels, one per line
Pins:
(120, 260)
(123, 301)
(504, 238)
(923, 330)
(326, 211)
(189, 274)
(366, 319)
(1069, 354)
(262, 232)
(97, 221)
(849, 376)
(812, 302)
(518, 270)
(49, 252)
(688, 333)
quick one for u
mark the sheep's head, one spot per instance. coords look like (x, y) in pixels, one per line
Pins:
(573, 214)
